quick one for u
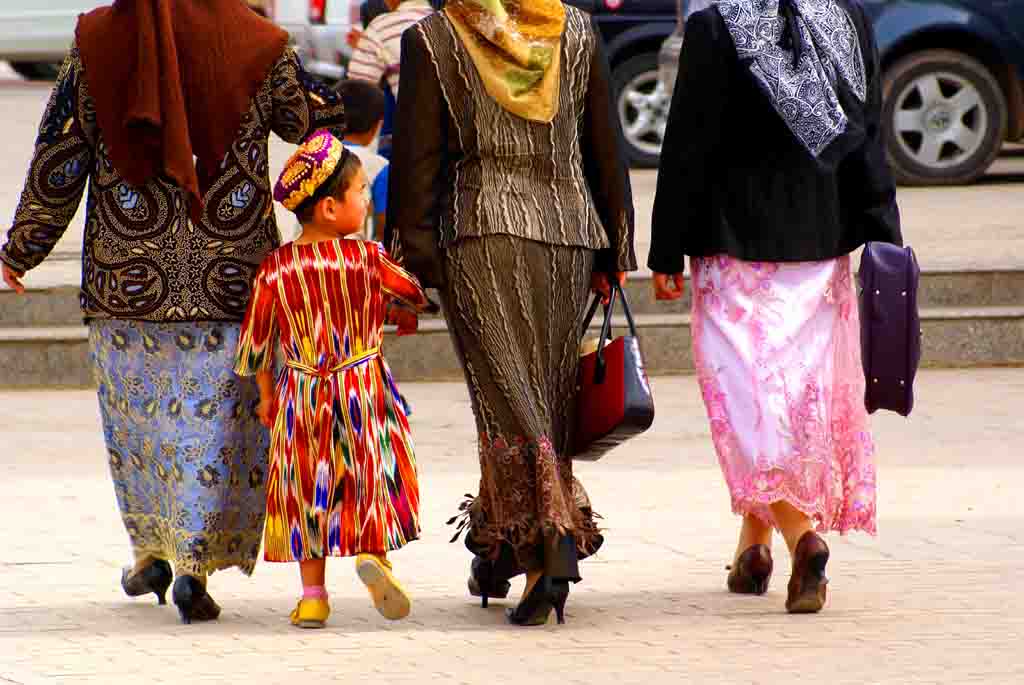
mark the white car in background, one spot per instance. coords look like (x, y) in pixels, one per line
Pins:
(35, 34)
(319, 29)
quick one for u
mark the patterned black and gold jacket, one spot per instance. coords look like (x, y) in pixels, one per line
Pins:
(143, 258)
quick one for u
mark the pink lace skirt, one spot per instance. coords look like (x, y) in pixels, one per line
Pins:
(777, 349)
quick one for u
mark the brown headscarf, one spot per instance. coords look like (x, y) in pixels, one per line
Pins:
(172, 80)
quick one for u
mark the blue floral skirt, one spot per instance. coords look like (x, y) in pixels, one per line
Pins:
(187, 454)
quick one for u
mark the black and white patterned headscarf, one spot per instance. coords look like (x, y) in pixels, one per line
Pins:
(797, 50)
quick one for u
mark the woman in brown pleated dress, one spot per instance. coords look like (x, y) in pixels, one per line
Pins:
(509, 192)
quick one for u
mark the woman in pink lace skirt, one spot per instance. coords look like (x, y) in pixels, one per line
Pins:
(772, 173)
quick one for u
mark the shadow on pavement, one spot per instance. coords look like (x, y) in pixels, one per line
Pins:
(350, 615)
(998, 179)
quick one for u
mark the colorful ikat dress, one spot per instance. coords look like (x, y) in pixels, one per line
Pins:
(342, 478)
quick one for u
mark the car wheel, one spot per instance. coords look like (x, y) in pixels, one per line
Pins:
(37, 71)
(946, 118)
(642, 105)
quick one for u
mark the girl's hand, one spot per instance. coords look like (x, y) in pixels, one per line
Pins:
(407, 320)
(663, 290)
(265, 413)
(600, 285)
(13, 279)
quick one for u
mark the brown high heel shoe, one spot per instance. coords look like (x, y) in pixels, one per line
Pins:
(808, 584)
(751, 572)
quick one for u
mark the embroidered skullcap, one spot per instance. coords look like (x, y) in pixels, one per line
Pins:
(310, 167)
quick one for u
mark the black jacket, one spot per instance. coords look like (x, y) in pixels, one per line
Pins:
(734, 179)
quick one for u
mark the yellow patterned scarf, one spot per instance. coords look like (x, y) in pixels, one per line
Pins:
(516, 46)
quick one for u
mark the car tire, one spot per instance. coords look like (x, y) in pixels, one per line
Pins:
(37, 71)
(945, 118)
(639, 94)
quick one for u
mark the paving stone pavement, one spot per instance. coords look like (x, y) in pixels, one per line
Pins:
(934, 599)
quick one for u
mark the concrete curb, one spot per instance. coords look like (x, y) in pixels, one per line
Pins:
(57, 356)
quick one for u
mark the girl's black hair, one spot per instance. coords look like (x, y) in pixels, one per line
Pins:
(336, 185)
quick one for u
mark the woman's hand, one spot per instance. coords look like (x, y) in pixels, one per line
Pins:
(13, 279)
(663, 290)
(600, 285)
(265, 413)
(430, 307)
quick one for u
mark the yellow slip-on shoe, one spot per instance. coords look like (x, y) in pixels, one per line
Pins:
(388, 595)
(311, 613)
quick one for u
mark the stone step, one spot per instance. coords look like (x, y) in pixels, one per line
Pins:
(58, 305)
(967, 288)
(57, 356)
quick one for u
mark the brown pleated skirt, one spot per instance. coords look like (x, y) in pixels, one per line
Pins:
(515, 309)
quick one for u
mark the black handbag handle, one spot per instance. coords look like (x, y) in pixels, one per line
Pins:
(616, 289)
(606, 327)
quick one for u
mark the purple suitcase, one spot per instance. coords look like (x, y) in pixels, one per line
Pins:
(890, 326)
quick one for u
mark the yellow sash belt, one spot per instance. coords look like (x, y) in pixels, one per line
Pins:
(329, 369)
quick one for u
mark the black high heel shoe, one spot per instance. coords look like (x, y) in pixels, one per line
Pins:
(484, 582)
(155, 578)
(535, 609)
(193, 601)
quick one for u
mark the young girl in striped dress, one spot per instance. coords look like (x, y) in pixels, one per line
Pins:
(342, 478)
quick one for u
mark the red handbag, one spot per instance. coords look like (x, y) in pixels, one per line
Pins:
(613, 399)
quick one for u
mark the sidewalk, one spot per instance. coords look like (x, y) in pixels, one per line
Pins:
(935, 599)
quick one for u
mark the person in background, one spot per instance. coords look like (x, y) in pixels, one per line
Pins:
(179, 217)
(364, 104)
(370, 10)
(772, 173)
(378, 54)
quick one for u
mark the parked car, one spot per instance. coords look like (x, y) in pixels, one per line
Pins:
(953, 83)
(633, 31)
(35, 35)
(318, 29)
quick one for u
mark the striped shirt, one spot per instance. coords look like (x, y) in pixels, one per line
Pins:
(379, 51)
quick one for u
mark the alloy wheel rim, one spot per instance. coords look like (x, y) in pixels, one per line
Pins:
(643, 111)
(940, 120)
